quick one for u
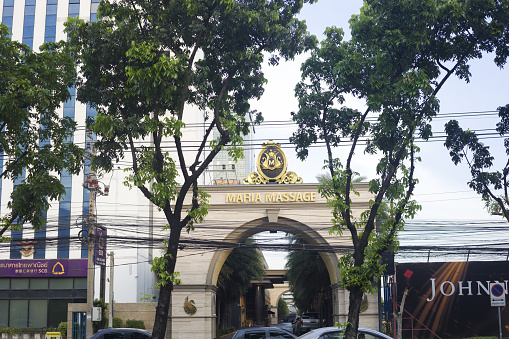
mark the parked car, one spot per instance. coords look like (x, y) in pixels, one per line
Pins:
(306, 322)
(337, 333)
(122, 333)
(294, 324)
(259, 333)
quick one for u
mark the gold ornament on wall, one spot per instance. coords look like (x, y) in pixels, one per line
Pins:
(271, 165)
(189, 307)
(364, 303)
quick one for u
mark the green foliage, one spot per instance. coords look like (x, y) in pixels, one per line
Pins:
(466, 146)
(399, 57)
(118, 323)
(34, 137)
(148, 67)
(62, 328)
(131, 323)
(240, 268)
(282, 308)
(307, 276)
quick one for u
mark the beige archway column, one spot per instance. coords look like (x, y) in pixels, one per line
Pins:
(193, 311)
(275, 294)
(369, 307)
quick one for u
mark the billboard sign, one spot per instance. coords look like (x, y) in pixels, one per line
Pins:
(452, 299)
(100, 247)
(43, 268)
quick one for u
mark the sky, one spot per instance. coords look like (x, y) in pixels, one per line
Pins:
(442, 191)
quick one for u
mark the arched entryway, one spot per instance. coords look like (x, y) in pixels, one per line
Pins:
(237, 212)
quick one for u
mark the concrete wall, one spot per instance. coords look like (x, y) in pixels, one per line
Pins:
(124, 311)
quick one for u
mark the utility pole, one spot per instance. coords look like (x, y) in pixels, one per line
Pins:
(91, 265)
(92, 184)
(110, 305)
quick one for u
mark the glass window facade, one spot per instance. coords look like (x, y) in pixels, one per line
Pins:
(28, 23)
(38, 302)
(8, 13)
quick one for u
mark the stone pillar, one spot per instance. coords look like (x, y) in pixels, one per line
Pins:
(193, 312)
(259, 305)
(339, 304)
(369, 308)
(273, 317)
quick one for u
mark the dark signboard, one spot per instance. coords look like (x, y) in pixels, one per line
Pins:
(100, 247)
(43, 268)
(451, 299)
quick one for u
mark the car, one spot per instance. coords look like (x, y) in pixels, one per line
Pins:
(337, 333)
(306, 322)
(295, 324)
(260, 333)
(122, 333)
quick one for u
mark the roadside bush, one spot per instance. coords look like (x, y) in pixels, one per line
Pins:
(62, 328)
(131, 323)
(118, 323)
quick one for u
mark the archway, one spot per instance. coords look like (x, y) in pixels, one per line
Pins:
(285, 225)
(237, 212)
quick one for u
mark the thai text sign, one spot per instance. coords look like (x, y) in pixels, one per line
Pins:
(43, 268)
(100, 247)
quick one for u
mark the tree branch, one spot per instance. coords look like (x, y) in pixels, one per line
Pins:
(4, 173)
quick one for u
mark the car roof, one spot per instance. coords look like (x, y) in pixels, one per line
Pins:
(113, 329)
(123, 330)
(319, 331)
(247, 329)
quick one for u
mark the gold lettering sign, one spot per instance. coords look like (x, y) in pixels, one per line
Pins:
(270, 197)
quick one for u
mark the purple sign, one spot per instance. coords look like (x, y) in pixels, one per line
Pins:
(100, 247)
(43, 268)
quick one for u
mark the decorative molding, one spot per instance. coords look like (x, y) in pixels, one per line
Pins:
(271, 165)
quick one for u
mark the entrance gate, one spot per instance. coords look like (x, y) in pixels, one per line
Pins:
(237, 212)
(79, 325)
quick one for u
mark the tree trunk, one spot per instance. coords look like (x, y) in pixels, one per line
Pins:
(162, 309)
(354, 309)
(400, 315)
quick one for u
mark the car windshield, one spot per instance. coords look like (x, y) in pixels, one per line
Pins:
(309, 315)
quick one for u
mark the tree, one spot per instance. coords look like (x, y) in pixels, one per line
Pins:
(34, 139)
(240, 268)
(480, 161)
(147, 64)
(307, 276)
(282, 309)
(400, 56)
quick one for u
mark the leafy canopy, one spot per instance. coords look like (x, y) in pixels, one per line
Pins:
(401, 54)
(464, 145)
(35, 140)
(151, 67)
(307, 276)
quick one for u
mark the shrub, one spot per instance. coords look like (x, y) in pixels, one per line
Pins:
(118, 323)
(62, 328)
(131, 323)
